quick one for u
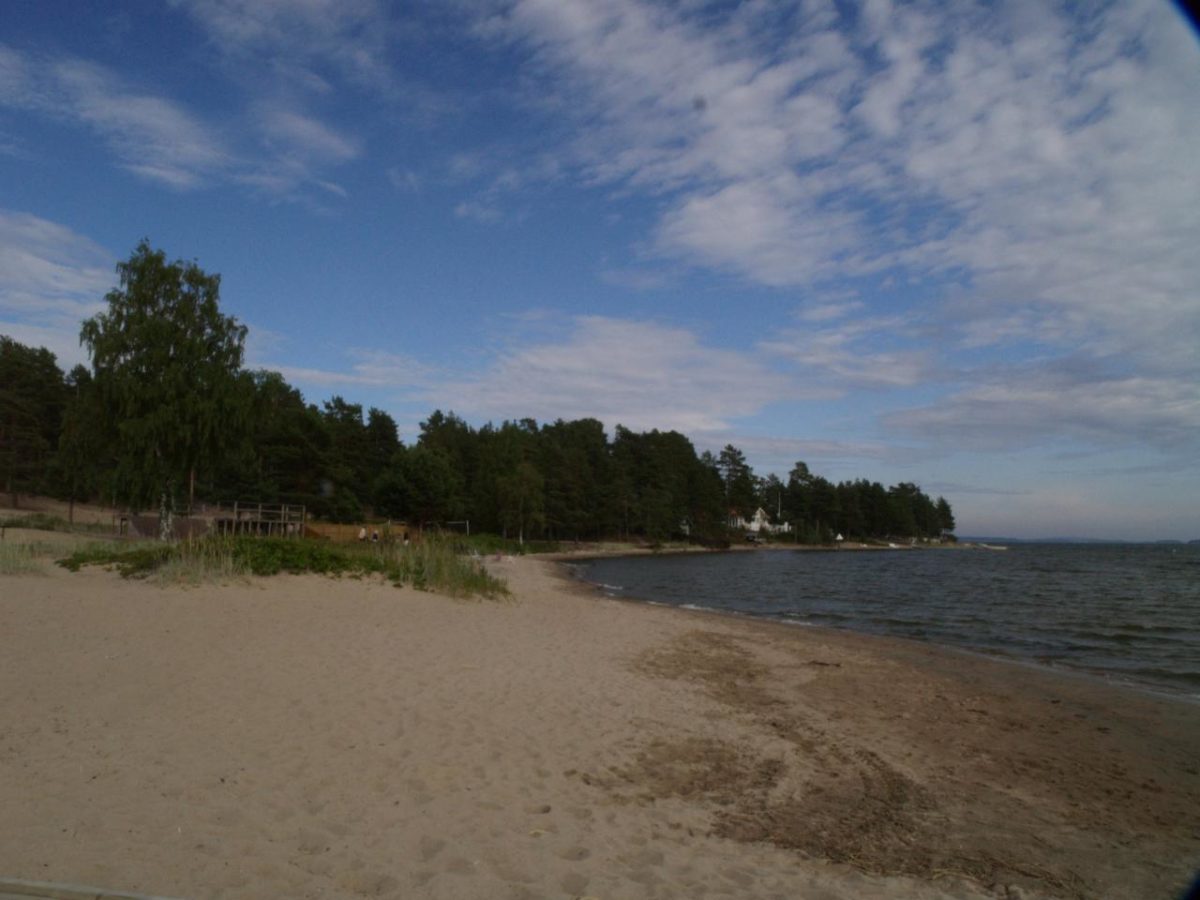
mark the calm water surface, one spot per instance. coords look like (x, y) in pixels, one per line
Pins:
(1127, 612)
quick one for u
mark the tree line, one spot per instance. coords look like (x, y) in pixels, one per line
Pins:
(167, 416)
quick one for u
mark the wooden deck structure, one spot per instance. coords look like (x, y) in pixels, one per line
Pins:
(263, 519)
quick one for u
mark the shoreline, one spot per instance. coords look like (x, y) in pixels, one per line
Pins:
(1100, 676)
(307, 737)
(1026, 682)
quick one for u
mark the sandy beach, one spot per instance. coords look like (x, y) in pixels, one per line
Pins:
(311, 738)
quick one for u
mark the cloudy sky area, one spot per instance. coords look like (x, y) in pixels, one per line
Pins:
(947, 243)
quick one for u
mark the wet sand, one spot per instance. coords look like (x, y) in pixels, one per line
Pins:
(304, 737)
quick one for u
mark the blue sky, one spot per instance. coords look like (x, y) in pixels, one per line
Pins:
(947, 243)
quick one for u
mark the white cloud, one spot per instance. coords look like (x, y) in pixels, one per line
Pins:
(752, 227)
(478, 211)
(637, 279)
(51, 278)
(638, 374)
(371, 368)
(404, 179)
(160, 141)
(151, 136)
(303, 136)
(1046, 403)
(1030, 169)
(827, 310)
(856, 353)
(348, 35)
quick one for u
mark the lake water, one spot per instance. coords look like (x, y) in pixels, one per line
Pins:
(1127, 612)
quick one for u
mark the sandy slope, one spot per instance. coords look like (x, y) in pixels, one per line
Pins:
(300, 737)
(28, 504)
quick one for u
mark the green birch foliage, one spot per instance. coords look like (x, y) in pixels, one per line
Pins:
(166, 364)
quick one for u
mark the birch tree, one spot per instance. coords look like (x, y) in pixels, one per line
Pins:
(167, 367)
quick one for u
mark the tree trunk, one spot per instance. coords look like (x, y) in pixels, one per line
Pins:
(166, 517)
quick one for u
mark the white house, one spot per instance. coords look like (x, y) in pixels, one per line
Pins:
(759, 523)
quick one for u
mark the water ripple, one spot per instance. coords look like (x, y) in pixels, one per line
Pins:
(1127, 611)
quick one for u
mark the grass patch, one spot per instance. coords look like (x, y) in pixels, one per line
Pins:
(31, 557)
(432, 564)
(199, 562)
(45, 522)
(20, 559)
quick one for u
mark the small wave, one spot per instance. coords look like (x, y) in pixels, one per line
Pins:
(1174, 676)
(1139, 628)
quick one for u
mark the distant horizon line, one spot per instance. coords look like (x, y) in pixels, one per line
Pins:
(1074, 540)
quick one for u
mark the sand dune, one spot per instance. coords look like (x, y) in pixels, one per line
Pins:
(302, 737)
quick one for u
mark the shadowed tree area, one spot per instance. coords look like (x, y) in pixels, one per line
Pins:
(167, 414)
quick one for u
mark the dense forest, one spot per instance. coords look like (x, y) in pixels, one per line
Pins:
(167, 416)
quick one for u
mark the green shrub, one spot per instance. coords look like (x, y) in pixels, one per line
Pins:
(131, 561)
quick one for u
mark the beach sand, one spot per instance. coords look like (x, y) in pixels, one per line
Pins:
(310, 738)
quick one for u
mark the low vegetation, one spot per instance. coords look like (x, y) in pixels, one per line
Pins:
(19, 559)
(37, 521)
(436, 565)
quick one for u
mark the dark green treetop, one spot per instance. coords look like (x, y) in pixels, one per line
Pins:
(32, 398)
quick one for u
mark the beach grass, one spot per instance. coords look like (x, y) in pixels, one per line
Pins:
(26, 557)
(20, 559)
(434, 564)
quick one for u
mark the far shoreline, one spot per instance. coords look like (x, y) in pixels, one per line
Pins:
(588, 551)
